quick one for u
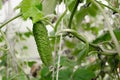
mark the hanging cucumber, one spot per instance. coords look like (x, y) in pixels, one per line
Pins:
(42, 41)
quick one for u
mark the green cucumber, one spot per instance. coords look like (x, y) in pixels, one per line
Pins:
(42, 41)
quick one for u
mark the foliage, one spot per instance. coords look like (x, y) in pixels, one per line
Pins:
(0, 4)
(75, 55)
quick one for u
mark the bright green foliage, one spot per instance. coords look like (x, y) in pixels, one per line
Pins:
(42, 41)
(65, 74)
(83, 74)
(84, 54)
(45, 74)
(31, 9)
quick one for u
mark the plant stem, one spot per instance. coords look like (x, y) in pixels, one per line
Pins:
(113, 9)
(109, 27)
(10, 20)
(59, 20)
(73, 12)
(6, 42)
(59, 52)
(47, 21)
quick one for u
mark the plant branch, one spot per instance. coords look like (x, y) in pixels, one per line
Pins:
(47, 21)
(113, 9)
(73, 12)
(115, 41)
(97, 47)
(10, 20)
(59, 52)
(59, 20)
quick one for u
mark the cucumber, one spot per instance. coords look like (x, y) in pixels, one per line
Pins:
(42, 41)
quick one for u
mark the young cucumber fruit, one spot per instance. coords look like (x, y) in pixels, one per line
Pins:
(42, 41)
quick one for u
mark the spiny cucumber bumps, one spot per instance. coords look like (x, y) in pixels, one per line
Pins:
(42, 41)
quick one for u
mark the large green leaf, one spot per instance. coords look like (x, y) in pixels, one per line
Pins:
(83, 74)
(31, 9)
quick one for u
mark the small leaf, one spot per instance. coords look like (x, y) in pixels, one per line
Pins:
(71, 4)
(81, 14)
(28, 34)
(69, 44)
(25, 47)
(30, 63)
(92, 10)
(82, 54)
(1, 39)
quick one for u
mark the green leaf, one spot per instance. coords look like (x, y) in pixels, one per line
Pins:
(65, 74)
(92, 10)
(67, 62)
(31, 9)
(25, 47)
(82, 54)
(28, 34)
(94, 66)
(49, 6)
(81, 14)
(45, 74)
(79, 47)
(83, 74)
(30, 63)
(113, 62)
(1, 39)
(107, 37)
(69, 44)
(71, 4)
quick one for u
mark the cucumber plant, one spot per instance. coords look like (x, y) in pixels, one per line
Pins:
(81, 58)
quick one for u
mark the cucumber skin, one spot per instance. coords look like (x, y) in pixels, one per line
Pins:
(42, 41)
